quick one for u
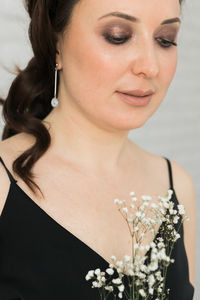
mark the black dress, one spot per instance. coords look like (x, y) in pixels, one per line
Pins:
(41, 260)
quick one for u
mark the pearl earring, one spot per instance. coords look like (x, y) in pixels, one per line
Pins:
(54, 101)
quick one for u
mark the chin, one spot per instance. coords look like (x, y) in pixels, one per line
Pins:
(126, 126)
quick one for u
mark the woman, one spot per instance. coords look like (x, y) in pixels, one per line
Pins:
(64, 160)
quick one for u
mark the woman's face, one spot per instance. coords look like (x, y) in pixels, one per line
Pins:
(100, 55)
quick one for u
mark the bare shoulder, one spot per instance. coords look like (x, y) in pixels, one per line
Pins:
(10, 149)
(184, 186)
(185, 191)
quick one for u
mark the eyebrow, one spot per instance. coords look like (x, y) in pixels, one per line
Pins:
(134, 19)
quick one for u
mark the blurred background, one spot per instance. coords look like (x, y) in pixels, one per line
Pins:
(173, 131)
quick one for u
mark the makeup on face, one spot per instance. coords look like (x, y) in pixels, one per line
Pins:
(118, 31)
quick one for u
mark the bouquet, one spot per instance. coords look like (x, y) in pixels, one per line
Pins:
(142, 276)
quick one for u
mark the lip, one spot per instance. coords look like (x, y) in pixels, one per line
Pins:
(134, 101)
(138, 93)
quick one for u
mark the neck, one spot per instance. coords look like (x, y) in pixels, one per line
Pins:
(82, 142)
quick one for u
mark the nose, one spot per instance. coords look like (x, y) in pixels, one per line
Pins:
(145, 62)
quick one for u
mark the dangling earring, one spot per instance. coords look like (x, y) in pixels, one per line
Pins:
(54, 101)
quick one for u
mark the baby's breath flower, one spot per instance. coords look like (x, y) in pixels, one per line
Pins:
(141, 275)
(134, 199)
(116, 201)
(127, 258)
(138, 214)
(160, 239)
(169, 193)
(125, 209)
(176, 237)
(96, 284)
(138, 282)
(119, 263)
(151, 291)
(136, 246)
(136, 266)
(151, 280)
(166, 204)
(181, 209)
(153, 266)
(135, 229)
(153, 205)
(152, 221)
(110, 271)
(97, 271)
(121, 288)
(109, 288)
(145, 204)
(153, 245)
(142, 207)
(146, 198)
(143, 268)
(162, 211)
(175, 220)
(158, 275)
(117, 281)
(132, 194)
(89, 275)
(147, 247)
(169, 226)
(160, 245)
(130, 272)
(142, 293)
(113, 257)
(130, 220)
(171, 211)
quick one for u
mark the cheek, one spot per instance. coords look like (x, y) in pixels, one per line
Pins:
(92, 68)
(168, 68)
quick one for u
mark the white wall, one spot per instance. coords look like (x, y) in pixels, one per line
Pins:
(174, 131)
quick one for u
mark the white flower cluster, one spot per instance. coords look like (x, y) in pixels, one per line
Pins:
(148, 277)
(101, 281)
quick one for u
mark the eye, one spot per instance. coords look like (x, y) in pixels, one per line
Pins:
(117, 40)
(166, 43)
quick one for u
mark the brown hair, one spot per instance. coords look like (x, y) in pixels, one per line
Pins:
(29, 97)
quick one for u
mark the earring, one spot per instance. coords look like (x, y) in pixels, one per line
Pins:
(54, 101)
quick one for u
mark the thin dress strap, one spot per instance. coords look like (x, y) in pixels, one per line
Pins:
(8, 172)
(170, 173)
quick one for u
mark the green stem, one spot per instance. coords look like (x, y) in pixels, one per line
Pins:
(133, 292)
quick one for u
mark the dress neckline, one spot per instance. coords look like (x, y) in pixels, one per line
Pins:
(65, 230)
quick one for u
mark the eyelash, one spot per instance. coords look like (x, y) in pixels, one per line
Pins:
(116, 41)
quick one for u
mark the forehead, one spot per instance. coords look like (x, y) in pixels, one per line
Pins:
(157, 10)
